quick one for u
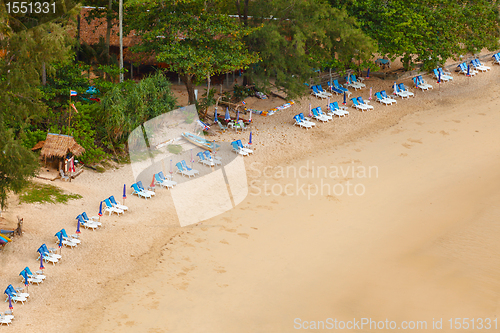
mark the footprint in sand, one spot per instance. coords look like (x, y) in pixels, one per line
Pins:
(254, 228)
(224, 242)
(358, 150)
(274, 202)
(199, 240)
(220, 270)
(332, 198)
(419, 123)
(444, 133)
(243, 235)
(432, 132)
(457, 121)
(396, 131)
(403, 154)
(415, 141)
(482, 114)
(406, 145)
(130, 323)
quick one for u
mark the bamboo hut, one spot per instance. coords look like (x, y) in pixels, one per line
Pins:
(61, 149)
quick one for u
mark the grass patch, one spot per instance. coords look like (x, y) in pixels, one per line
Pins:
(45, 193)
(174, 149)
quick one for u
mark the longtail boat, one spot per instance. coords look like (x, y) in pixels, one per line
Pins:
(200, 142)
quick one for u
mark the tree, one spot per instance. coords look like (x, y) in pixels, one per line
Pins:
(29, 44)
(129, 105)
(428, 31)
(192, 37)
(296, 38)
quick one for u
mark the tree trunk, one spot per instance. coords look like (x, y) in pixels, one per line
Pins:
(246, 81)
(108, 29)
(188, 81)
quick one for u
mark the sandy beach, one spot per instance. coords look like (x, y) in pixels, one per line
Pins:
(402, 227)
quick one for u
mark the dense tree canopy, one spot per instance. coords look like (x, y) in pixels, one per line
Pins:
(192, 37)
(430, 31)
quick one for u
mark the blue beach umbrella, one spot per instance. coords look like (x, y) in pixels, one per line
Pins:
(344, 102)
(100, 209)
(78, 226)
(215, 115)
(24, 274)
(10, 303)
(124, 191)
(250, 139)
(368, 73)
(60, 237)
(439, 76)
(468, 70)
(227, 117)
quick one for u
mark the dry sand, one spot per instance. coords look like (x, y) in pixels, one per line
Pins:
(420, 243)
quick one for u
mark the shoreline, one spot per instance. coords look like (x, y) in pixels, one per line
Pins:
(357, 129)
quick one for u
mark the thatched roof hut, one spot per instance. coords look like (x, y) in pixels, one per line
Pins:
(58, 145)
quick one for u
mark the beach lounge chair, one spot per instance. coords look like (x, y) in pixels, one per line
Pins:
(140, 193)
(463, 69)
(185, 166)
(479, 66)
(13, 295)
(340, 111)
(12, 291)
(334, 89)
(352, 82)
(496, 58)
(321, 113)
(73, 238)
(5, 320)
(221, 127)
(339, 87)
(306, 120)
(444, 78)
(237, 149)
(358, 81)
(248, 150)
(182, 171)
(384, 95)
(139, 185)
(402, 93)
(211, 157)
(362, 102)
(301, 123)
(117, 204)
(203, 160)
(167, 177)
(163, 182)
(421, 84)
(87, 224)
(8, 314)
(25, 277)
(64, 242)
(318, 116)
(37, 275)
(108, 207)
(445, 74)
(93, 219)
(358, 106)
(383, 100)
(315, 92)
(50, 252)
(403, 89)
(320, 90)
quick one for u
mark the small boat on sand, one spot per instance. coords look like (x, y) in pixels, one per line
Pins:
(200, 142)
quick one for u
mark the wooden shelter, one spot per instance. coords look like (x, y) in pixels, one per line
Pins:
(61, 149)
(59, 145)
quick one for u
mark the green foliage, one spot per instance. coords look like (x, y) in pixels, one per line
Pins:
(241, 92)
(301, 35)
(42, 193)
(31, 138)
(206, 101)
(192, 37)
(17, 163)
(428, 31)
(129, 105)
